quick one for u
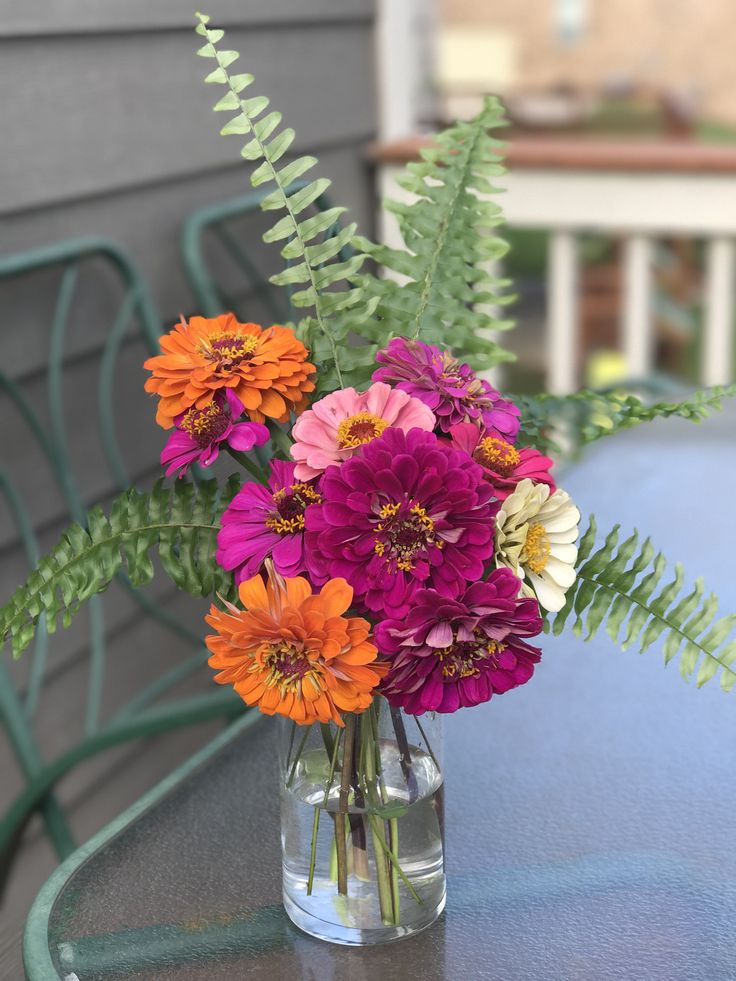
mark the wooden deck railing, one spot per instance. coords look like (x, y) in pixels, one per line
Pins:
(635, 191)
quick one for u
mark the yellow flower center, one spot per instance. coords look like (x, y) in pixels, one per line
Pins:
(537, 548)
(463, 659)
(227, 349)
(359, 429)
(496, 454)
(404, 532)
(205, 425)
(290, 503)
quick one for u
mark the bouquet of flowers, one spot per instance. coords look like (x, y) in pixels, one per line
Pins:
(401, 550)
(395, 538)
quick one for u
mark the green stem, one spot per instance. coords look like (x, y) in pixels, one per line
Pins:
(376, 827)
(253, 469)
(426, 743)
(404, 754)
(280, 440)
(393, 831)
(342, 810)
(299, 751)
(327, 738)
(291, 746)
(371, 762)
(385, 902)
(313, 851)
(393, 824)
(335, 744)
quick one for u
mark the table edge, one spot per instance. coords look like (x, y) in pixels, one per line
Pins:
(37, 962)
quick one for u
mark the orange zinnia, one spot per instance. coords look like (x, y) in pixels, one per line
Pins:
(266, 368)
(291, 651)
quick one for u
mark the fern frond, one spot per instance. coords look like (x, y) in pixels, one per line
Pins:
(448, 227)
(318, 273)
(180, 522)
(587, 416)
(618, 587)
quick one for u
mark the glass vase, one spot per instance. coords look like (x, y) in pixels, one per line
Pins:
(362, 825)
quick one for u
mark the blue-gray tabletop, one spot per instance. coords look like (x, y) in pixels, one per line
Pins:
(590, 814)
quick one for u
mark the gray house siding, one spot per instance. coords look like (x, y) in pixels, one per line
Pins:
(107, 130)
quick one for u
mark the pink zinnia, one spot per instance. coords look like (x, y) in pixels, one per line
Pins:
(451, 653)
(503, 464)
(408, 511)
(450, 388)
(262, 521)
(337, 426)
(199, 433)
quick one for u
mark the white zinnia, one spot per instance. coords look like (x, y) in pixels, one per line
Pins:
(536, 533)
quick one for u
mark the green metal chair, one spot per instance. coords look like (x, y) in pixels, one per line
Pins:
(217, 234)
(145, 714)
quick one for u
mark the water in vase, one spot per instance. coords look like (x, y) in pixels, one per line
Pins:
(393, 847)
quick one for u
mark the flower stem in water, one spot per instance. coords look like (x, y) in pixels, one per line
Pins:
(299, 751)
(376, 825)
(335, 745)
(357, 824)
(347, 755)
(405, 757)
(393, 829)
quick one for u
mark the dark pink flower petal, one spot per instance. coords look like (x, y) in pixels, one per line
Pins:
(266, 521)
(245, 435)
(448, 654)
(180, 451)
(448, 387)
(407, 511)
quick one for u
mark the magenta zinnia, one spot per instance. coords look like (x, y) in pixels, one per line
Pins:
(450, 388)
(262, 521)
(451, 653)
(408, 511)
(503, 464)
(200, 432)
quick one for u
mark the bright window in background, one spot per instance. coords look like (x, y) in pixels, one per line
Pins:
(570, 20)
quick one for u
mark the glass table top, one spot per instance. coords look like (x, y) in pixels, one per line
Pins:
(589, 814)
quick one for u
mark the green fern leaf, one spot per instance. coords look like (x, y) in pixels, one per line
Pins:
(324, 279)
(180, 523)
(587, 416)
(444, 278)
(615, 588)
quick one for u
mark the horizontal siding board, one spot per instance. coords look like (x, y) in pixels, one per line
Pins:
(147, 222)
(129, 111)
(71, 16)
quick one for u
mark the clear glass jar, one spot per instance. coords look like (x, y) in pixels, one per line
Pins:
(362, 825)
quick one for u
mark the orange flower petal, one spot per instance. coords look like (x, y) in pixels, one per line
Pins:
(253, 594)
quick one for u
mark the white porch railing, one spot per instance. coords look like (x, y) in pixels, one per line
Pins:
(634, 191)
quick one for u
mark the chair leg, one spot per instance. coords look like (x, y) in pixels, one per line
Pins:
(21, 738)
(12, 828)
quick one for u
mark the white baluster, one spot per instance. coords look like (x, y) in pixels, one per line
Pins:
(562, 313)
(637, 336)
(719, 312)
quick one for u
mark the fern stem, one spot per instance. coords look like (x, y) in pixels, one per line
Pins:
(289, 211)
(668, 625)
(442, 236)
